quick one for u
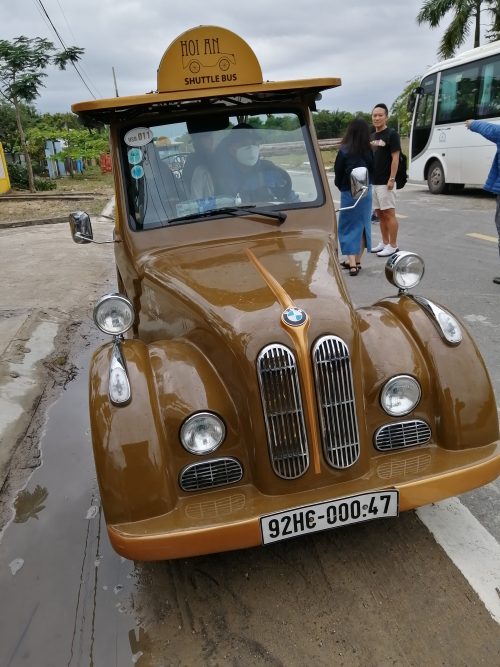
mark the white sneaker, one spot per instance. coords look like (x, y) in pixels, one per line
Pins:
(387, 251)
(380, 246)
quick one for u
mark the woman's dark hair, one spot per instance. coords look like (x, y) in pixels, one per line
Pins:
(357, 137)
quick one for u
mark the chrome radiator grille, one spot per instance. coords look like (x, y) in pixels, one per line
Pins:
(210, 474)
(335, 392)
(283, 413)
(402, 434)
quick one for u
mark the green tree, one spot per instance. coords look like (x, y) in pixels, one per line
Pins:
(331, 124)
(399, 108)
(61, 121)
(79, 143)
(494, 30)
(85, 144)
(465, 13)
(9, 135)
(22, 65)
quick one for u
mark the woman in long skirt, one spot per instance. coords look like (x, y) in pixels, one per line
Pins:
(354, 226)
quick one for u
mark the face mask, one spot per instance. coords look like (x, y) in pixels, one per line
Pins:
(248, 155)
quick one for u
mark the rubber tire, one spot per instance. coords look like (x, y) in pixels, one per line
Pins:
(435, 178)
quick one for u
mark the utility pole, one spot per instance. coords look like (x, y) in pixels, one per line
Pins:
(114, 79)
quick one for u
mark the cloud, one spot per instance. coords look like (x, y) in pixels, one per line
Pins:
(374, 48)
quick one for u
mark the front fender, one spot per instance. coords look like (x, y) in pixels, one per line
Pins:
(457, 389)
(136, 446)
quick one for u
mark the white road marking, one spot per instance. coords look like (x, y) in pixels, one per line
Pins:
(469, 545)
(480, 319)
(483, 237)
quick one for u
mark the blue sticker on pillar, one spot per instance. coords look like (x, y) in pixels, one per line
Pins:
(134, 155)
(137, 172)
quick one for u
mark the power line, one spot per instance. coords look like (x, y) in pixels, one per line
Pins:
(63, 45)
(75, 40)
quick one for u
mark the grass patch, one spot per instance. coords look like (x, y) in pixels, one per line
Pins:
(92, 180)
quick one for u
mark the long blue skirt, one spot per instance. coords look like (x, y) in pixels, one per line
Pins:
(354, 223)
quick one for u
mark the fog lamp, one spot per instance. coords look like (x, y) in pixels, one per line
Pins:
(119, 384)
(114, 314)
(202, 433)
(400, 395)
(447, 325)
(404, 269)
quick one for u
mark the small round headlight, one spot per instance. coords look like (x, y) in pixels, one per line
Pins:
(400, 395)
(202, 433)
(114, 314)
(404, 269)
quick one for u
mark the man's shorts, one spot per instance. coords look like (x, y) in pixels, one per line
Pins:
(383, 198)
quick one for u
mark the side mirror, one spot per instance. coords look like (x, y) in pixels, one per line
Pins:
(359, 186)
(412, 98)
(81, 227)
(359, 182)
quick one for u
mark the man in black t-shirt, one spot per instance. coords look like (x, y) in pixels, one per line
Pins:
(386, 146)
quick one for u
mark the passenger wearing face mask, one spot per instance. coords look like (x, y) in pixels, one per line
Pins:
(248, 177)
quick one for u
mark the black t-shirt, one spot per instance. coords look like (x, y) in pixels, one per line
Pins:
(386, 143)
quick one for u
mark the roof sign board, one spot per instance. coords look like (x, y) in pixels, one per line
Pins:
(206, 57)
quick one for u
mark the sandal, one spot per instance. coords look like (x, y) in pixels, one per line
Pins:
(345, 265)
(354, 270)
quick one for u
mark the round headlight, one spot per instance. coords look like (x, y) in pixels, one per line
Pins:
(404, 269)
(400, 395)
(114, 314)
(202, 433)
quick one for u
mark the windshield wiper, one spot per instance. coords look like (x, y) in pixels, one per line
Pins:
(233, 210)
(238, 210)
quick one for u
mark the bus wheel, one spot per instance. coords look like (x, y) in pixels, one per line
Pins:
(435, 178)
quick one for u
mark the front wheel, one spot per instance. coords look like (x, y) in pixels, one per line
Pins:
(435, 178)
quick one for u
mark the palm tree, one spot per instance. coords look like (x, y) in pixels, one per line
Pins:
(494, 31)
(465, 14)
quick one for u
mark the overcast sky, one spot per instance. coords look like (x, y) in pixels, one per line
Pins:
(374, 46)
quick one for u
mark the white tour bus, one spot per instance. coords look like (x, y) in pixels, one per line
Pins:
(443, 151)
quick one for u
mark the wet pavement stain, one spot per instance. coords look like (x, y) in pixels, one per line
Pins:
(64, 589)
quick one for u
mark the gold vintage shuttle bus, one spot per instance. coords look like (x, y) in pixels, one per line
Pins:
(242, 398)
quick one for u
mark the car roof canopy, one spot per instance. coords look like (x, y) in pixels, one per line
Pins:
(206, 64)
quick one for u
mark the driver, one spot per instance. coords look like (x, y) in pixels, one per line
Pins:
(246, 175)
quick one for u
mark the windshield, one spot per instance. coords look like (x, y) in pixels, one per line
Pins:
(180, 172)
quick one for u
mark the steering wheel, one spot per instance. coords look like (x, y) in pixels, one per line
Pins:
(279, 183)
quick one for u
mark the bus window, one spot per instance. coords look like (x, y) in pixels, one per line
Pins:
(457, 94)
(489, 96)
(423, 117)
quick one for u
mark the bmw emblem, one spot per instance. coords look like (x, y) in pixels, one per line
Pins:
(295, 317)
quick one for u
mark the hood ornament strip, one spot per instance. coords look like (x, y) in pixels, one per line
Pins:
(296, 323)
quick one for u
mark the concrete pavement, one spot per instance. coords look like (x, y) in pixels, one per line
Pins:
(49, 285)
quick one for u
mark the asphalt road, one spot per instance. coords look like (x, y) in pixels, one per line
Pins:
(392, 592)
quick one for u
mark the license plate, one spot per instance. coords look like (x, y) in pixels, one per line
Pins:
(331, 514)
